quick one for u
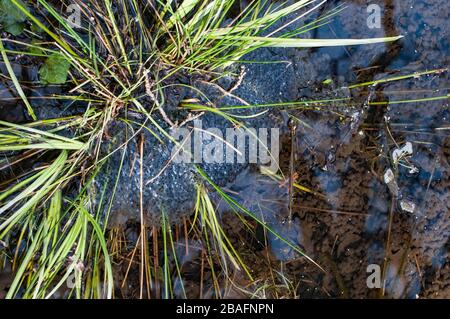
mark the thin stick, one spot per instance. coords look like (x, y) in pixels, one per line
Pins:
(239, 80)
(202, 269)
(191, 117)
(141, 204)
(156, 260)
(330, 211)
(148, 90)
(293, 128)
(226, 93)
(186, 234)
(388, 243)
(131, 261)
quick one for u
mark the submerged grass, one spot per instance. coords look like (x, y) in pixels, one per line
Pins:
(121, 58)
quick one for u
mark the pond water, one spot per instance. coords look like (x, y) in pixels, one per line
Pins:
(382, 166)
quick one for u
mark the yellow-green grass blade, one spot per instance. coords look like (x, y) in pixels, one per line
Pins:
(55, 37)
(25, 137)
(260, 22)
(16, 82)
(184, 9)
(36, 187)
(307, 43)
(238, 208)
(398, 78)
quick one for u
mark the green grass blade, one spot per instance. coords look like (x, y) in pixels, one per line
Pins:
(16, 82)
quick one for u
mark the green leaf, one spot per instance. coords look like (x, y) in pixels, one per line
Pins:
(14, 28)
(35, 48)
(11, 17)
(8, 8)
(54, 70)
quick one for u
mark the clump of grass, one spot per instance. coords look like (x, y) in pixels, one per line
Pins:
(117, 61)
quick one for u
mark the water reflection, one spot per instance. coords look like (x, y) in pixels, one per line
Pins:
(360, 221)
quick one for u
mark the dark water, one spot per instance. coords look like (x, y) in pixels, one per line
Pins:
(403, 225)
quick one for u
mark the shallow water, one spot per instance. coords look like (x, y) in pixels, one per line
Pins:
(363, 221)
